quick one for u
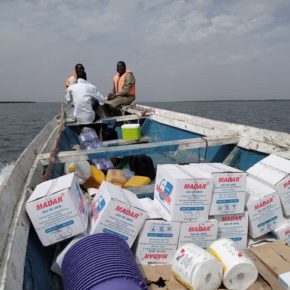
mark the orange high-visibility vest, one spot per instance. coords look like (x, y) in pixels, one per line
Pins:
(119, 82)
(68, 82)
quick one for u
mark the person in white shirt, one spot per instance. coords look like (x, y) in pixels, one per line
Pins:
(83, 94)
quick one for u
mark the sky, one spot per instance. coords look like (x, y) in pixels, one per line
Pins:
(182, 50)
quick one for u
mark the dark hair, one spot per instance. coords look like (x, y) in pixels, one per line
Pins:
(81, 75)
(122, 63)
(79, 67)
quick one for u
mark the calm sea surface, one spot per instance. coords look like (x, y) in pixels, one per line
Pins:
(20, 123)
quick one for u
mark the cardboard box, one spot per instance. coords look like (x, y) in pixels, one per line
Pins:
(201, 233)
(284, 280)
(273, 263)
(57, 209)
(151, 207)
(182, 197)
(277, 162)
(264, 208)
(283, 232)
(234, 227)
(117, 211)
(56, 264)
(157, 242)
(275, 172)
(229, 188)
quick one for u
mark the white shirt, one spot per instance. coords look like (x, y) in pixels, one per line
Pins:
(82, 94)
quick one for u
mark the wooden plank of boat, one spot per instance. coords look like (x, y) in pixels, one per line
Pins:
(13, 194)
(70, 122)
(11, 187)
(251, 138)
(122, 142)
(164, 146)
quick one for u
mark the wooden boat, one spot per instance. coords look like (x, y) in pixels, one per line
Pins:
(168, 137)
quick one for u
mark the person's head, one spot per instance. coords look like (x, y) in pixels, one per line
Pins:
(121, 67)
(81, 75)
(79, 67)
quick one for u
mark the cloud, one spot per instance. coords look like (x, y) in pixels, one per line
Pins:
(175, 47)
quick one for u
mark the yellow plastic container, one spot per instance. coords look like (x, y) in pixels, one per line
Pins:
(96, 178)
(131, 131)
(116, 176)
(137, 181)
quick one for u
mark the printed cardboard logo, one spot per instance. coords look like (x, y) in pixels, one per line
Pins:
(199, 228)
(97, 206)
(263, 203)
(49, 203)
(155, 256)
(287, 183)
(127, 212)
(81, 200)
(229, 179)
(164, 188)
(180, 255)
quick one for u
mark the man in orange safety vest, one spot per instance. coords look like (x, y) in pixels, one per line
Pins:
(124, 89)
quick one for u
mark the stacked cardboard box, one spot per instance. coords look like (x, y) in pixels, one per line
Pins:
(274, 171)
(235, 227)
(181, 196)
(117, 211)
(58, 209)
(264, 207)
(158, 239)
(229, 188)
(228, 201)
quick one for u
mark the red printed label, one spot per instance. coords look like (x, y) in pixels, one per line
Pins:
(49, 203)
(156, 256)
(199, 229)
(264, 203)
(229, 179)
(286, 184)
(127, 212)
(195, 186)
(235, 218)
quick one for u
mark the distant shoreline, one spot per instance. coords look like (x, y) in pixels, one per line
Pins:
(15, 102)
(266, 100)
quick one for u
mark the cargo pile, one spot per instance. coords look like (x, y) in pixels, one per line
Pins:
(211, 211)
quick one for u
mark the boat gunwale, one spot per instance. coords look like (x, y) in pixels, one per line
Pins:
(184, 144)
(251, 138)
(19, 223)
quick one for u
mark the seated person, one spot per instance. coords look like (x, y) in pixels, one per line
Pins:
(72, 79)
(82, 94)
(124, 89)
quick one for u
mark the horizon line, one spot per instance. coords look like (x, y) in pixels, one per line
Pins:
(239, 100)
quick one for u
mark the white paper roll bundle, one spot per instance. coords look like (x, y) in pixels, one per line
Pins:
(239, 270)
(196, 268)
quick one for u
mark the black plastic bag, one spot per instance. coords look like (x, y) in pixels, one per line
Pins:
(142, 165)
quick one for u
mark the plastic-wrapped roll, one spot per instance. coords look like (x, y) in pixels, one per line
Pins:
(196, 268)
(239, 270)
(89, 140)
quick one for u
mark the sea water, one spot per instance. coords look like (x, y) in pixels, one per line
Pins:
(21, 122)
